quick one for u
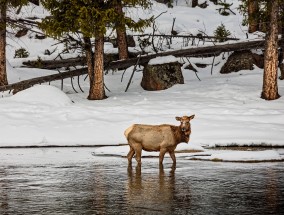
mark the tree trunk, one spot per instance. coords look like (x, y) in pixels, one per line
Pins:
(194, 3)
(89, 58)
(252, 16)
(281, 66)
(3, 74)
(281, 57)
(36, 2)
(121, 35)
(281, 18)
(270, 88)
(97, 91)
(122, 44)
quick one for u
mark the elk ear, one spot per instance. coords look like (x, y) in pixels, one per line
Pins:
(178, 118)
(191, 117)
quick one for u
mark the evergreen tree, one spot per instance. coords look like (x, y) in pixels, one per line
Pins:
(4, 5)
(91, 18)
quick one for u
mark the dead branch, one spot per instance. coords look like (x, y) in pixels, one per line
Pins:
(194, 68)
(134, 70)
(212, 64)
(79, 84)
(73, 85)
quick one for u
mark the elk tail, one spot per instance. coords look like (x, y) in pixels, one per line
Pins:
(127, 131)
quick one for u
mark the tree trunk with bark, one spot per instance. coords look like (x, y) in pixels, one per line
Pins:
(281, 18)
(281, 66)
(253, 10)
(3, 74)
(281, 53)
(36, 2)
(121, 35)
(97, 91)
(194, 3)
(270, 88)
(89, 58)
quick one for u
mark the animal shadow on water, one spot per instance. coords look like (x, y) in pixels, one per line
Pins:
(150, 192)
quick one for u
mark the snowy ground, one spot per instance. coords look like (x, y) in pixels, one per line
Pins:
(228, 108)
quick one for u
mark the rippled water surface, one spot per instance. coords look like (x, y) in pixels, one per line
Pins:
(73, 181)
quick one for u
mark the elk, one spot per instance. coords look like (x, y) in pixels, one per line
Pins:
(163, 138)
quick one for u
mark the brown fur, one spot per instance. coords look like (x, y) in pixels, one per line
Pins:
(163, 138)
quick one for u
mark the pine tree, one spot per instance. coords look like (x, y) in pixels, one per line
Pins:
(4, 5)
(91, 18)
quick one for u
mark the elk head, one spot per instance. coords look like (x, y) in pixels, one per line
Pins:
(185, 123)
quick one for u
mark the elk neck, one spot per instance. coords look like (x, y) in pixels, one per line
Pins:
(180, 136)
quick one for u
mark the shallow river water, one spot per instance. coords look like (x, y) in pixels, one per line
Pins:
(73, 181)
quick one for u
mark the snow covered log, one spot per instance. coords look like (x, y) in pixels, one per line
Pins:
(191, 52)
(16, 87)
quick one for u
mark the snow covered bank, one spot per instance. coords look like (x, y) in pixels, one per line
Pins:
(228, 110)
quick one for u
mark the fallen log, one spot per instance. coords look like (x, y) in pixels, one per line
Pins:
(16, 87)
(111, 64)
(190, 52)
(70, 62)
(54, 64)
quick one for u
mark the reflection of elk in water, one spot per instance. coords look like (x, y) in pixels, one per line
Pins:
(163, 138)
(150, 192)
